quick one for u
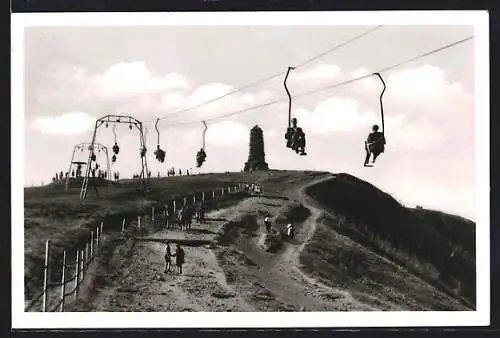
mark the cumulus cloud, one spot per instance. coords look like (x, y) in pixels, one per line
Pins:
(334, 114)
(228, 133)
(132, 78)
(425, 82)
(65, 124)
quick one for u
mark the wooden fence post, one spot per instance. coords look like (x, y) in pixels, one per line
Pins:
(82, 265)
(97, 239)
(153, 214)
(213, 195)
(185, 201)
(63, 282)
(194, 198)
(77, 272)
(203, 196)
(123, 225)
(174, 206)
(222, 192)
(138, 222)
(46, 274)
(102, 227)
(86, 256)
(91, 244)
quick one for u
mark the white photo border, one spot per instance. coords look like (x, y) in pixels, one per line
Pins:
(480, 317)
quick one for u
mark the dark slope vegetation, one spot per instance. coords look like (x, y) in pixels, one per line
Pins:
(434, 246)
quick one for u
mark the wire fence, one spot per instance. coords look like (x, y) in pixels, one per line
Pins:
(73, 270)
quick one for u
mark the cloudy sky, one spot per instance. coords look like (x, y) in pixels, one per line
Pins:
(74, 75)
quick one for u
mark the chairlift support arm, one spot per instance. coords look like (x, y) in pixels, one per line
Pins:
(204, 133)
(157, 131)
(289, 97)
(380, 99)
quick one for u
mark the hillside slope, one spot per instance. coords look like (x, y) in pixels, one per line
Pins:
(436, 247)
(356, 248)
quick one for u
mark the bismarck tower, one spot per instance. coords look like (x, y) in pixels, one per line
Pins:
(256, 155)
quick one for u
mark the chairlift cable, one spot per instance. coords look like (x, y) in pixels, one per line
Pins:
(332, 86)
(303, 63)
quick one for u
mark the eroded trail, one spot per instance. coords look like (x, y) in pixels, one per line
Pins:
(239, 275)
(141, 284)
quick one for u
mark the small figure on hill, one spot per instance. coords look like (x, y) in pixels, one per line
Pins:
(73, 173)
(374, 144)
(61, 175)
(168, 258)
(179, 258)
(200, 213)
(180, 172)
(290, 231)
(267, 223)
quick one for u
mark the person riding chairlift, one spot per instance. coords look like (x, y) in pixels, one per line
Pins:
(374, 144)
(296, 138)
(200, 157)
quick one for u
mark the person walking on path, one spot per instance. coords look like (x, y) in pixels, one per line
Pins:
(179, 258)
(168, 258)
(267, 223)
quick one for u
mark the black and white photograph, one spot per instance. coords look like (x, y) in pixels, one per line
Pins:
(286, 169)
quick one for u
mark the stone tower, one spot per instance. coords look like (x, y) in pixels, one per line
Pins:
(256, 155)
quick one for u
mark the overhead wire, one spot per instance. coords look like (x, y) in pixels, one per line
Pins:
(301, 64)
(335, 85)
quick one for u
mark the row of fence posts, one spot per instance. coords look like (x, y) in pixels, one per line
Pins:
(83, 257)
(185, 201)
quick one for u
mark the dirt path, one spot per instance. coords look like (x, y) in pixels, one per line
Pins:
(236, 274)
(238, 277)
(142, 285)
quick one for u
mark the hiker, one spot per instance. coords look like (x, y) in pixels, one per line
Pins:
(267, 223)
(189, 216)
(290, 230)
(181, 218)
(179, 258)
(168, 258)
(200, 215)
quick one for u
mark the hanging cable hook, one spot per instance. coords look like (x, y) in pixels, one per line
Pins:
(114, 132)
(204, 133)
(380, 99)
(289, 97)
(157, 131)
(159, 153)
